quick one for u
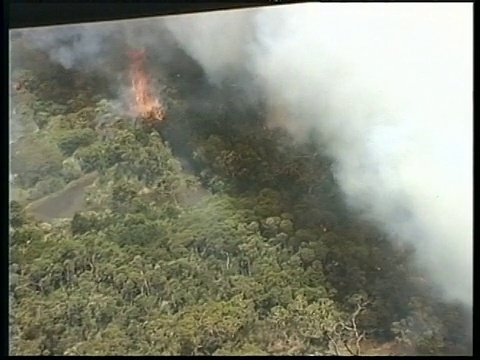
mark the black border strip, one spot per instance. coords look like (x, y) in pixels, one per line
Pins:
(24, 14)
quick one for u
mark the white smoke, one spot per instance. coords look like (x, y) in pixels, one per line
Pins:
(389, 88)
(219, 41)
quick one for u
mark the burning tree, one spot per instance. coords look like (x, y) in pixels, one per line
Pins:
(147, 105)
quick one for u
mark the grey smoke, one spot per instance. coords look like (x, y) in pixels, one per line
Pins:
(70, 45)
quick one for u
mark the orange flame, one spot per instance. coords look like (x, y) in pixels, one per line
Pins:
(147, 105)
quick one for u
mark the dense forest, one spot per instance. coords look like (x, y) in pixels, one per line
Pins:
(207, 233)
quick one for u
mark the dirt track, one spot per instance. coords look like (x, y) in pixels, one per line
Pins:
(66, 202)
(63, 203)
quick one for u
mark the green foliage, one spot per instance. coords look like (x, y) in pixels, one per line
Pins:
(71, 169)
(18, 216)
(71, 140)
(95, 157)
(259, 256)
(47, 186)
(35, 157)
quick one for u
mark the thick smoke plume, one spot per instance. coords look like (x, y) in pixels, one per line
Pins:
(71, 46)
(224, 40)
(388, 87)
(101, 47)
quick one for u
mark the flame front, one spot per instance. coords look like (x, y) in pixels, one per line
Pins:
(147, 105)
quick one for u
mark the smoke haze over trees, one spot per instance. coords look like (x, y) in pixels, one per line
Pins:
(316, 159)
(389, 91)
